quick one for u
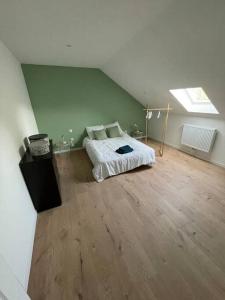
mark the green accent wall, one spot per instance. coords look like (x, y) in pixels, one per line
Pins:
(69, 97)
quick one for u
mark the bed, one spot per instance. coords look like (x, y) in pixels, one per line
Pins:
(107, 162)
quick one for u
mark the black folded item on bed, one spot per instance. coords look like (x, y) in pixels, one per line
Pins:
(124, 149)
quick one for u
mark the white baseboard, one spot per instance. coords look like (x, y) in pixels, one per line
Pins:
(182, 150)
(168, 144)
(208, 160)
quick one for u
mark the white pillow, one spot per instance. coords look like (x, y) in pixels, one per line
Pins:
(114, 124)
(90, 130)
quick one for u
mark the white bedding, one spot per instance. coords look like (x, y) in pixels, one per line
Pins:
(107, 162)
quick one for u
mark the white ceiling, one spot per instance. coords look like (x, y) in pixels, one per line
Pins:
(146, 46)
(37, 31)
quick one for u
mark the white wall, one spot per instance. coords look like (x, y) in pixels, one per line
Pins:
(10, 288)
(17, 215)
(174, 132)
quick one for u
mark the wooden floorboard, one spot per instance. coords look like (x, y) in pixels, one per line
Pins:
(152, 233)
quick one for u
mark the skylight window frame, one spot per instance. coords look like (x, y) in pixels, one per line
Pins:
(201, 102)
(185, 99)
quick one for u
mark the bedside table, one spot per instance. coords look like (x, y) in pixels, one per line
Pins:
(61, 148)
(140, 137)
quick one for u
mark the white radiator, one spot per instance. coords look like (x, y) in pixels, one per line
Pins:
(200, 138)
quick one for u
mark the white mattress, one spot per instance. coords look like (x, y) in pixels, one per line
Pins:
(107, 162)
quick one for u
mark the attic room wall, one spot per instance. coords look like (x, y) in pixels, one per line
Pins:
(174, 132)
(17, 215)
(70, 97)
(182, 48)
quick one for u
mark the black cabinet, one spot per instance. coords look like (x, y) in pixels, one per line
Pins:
(40, 176)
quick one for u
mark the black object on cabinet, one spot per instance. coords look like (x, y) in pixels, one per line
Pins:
(40, 176)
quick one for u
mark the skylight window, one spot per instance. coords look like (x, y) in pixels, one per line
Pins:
(194, 100)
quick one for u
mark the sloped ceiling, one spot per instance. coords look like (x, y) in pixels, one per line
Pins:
(146, 46)
(184, 47)
(37, 31)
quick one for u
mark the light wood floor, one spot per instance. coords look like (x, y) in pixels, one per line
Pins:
(153, 233)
